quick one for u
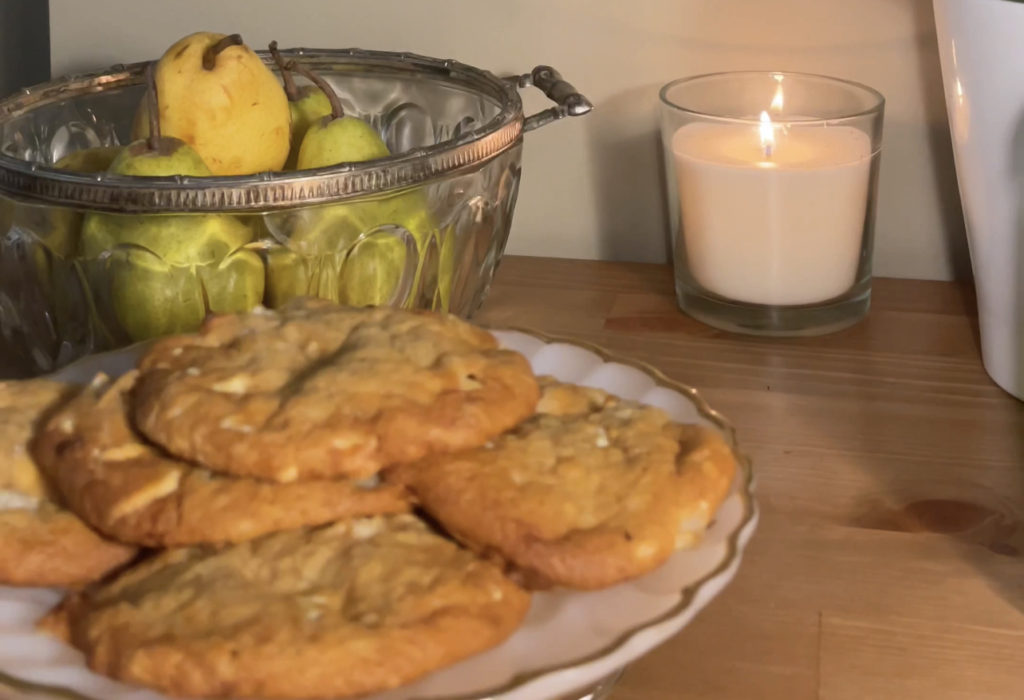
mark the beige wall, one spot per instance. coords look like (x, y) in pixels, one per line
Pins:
(591, 186)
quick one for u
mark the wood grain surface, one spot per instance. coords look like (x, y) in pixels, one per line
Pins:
(889, 559)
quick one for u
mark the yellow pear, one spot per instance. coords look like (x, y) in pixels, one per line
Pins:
(216, 95)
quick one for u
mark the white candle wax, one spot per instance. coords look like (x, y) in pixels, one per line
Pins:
(779, 226)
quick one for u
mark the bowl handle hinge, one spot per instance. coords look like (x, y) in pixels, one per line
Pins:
(568, 102)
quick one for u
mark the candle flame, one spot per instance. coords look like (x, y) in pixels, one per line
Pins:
(767, 131)
(778, 100)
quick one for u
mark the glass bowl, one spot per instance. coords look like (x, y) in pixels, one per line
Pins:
(423, 228)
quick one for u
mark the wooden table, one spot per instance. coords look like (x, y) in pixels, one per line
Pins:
(889, 559)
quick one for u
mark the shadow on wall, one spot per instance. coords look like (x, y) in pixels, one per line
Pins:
(941, 144)
(24, 44)
(626, 175)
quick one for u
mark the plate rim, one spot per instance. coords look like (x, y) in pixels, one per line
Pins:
(735, 542)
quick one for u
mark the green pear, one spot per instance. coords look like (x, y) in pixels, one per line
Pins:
(374, 259)
(235, 284)
(150, 297)
(287, 276)
(180, 239)
(58, 227)
(89, 160)
(329, 141)
(306, 105)
(325, 276)
(161, 156)
(61, 233)
(311, 106)
(373, 271)
(177, 258)
(361, 236)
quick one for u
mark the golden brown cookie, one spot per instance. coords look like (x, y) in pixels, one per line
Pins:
(23, 404)
(590, 491)
(41, 544)
(338, 611)
(48, 546)
(318, 390)
(130, 490)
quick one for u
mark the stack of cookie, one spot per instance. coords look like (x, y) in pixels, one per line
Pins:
(275, 469)
(41, 543)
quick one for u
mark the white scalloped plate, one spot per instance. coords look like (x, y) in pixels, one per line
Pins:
(569, 640)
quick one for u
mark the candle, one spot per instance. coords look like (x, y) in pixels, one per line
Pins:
(772, 213)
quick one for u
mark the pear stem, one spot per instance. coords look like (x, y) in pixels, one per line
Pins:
(153, 106)
(290, 88)
(337, 111)
(210, 55)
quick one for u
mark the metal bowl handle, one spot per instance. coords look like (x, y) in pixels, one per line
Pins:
(568, 102)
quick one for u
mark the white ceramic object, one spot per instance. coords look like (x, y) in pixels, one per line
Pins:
(981, 46)
(570, 640)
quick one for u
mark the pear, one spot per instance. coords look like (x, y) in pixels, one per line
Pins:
(159, 156)
(330, 141)
(61, 235)
(160, 264)
(365, 237)
(180, 239)
(58, 227)
(218, 96)
(306, 105)
(287, 276)
(234, 285)
(374, 271)
(89, 160)
(150, 297)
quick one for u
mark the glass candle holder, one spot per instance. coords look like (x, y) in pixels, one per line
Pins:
(771, 186)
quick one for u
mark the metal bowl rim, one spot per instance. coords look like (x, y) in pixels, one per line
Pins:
(271, 190)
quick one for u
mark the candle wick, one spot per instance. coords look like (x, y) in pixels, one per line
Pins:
(768, 151)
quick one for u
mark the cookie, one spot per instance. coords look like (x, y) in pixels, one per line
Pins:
(338, 611)
(130, 490)
(590, 491)
(41, 544)
(22, 405)
(318, 390)
(48, 546)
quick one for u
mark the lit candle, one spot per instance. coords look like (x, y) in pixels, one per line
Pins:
(772, 213)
